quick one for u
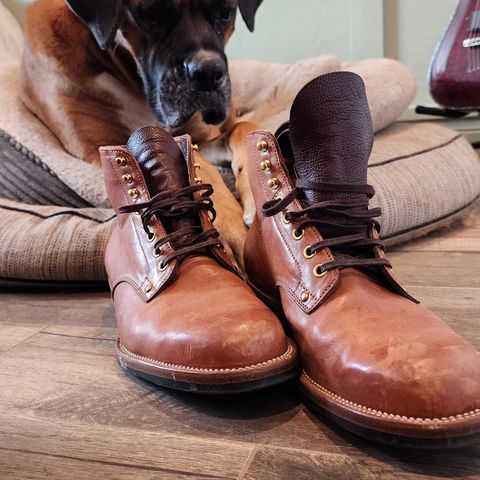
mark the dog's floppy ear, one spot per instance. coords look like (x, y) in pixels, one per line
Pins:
(101, 16)
(248, 9)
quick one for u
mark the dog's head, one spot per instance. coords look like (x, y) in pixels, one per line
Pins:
(175, 47)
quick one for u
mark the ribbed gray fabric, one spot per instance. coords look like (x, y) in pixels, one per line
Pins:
(25, 178)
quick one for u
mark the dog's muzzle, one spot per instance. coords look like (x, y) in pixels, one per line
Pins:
(207, 70)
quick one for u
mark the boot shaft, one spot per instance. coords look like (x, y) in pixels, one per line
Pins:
(136, 252)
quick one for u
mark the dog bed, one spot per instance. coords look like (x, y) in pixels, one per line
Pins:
(54, 215)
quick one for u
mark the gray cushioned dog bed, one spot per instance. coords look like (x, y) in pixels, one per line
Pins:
(54, 215)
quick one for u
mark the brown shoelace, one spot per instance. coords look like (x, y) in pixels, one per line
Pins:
(351, 217)
(175, 204)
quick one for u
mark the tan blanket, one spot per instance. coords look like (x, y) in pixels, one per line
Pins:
(262, 93)
(424, 174)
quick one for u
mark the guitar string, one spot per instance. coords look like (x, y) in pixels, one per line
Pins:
(476, 31)
(470, 52)
(475, 65)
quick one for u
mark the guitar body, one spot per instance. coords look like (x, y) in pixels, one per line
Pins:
(455, 68)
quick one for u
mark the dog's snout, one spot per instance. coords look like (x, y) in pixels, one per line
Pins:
(207, 69)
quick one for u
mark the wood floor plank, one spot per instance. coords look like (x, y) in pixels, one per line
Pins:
(16, 465)
(126, 449)
(285, 464)
(459, 307)
(70, 373)
(13, 334)
(464, 241)
(85, 331)
(439, 269)
(74, 376)
(57, 308)
(462, 236)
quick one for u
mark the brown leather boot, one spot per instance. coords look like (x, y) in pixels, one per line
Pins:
(186, 319)
(374, 360)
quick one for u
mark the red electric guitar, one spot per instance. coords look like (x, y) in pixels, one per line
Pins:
(455, 69)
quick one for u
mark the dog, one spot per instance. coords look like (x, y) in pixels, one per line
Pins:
(96, 70)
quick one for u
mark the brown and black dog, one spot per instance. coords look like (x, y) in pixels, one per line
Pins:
(96, 70)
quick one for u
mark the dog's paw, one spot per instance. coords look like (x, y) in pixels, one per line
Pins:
(249, 210)
(233, 239)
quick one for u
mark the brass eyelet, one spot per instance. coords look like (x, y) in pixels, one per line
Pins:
(134, 193)
(150, 237)
(127, 178)
(273, 183)
(298, 235)
(317, 271)
(308, 254)
(266, 165)
(195, 147)
(121, 161)
(285, 219)
(197, 180)
(262, 146)
(162, 268)
(157, 252)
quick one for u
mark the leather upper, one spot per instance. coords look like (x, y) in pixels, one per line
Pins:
(196, 313)
(363, 341)
(356, 337)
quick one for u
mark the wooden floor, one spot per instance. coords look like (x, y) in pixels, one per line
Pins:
(67, 411)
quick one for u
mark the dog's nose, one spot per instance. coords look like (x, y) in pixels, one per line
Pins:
(207, 69)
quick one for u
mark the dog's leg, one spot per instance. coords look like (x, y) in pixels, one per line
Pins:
(229, 221)
(237, 143)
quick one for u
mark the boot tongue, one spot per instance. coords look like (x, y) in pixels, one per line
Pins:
(160, 159)
(331, 133)
(164, 168)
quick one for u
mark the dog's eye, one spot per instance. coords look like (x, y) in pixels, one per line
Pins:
(224, 19)
(226, 15)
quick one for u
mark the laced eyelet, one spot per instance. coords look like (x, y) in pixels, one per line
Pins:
(150, 237)
(157, 252)
(298, 235)
(161, 267)
(307, 253)
(317, 271)
(285, 219)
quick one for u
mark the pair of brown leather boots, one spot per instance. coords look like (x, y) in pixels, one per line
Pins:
(372, 359)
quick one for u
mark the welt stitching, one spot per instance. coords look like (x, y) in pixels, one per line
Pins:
(392, 416)
(207, 370)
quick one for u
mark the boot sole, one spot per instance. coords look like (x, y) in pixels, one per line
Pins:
(389, 429)
(210, 381)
